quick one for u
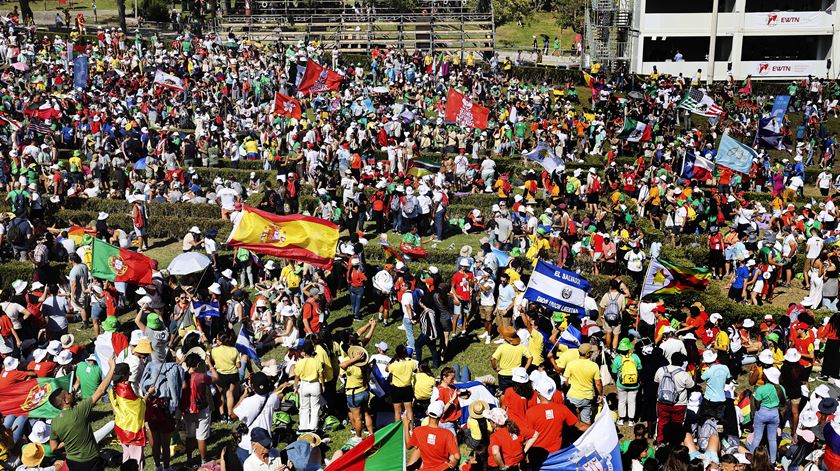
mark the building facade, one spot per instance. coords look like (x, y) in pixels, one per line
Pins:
(765, 39)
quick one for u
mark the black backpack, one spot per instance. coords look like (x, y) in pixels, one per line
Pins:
(16, 235)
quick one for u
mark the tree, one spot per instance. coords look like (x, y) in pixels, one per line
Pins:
(512, 10)
(121, 11)
(571, 14)
(25, 12)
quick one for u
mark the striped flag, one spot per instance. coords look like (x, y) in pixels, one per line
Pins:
(204, 309)
(382, 451)
(698, 102)
(634, 131)
(129, 415)
(419, 168)
(664, 278)
(245, 346)
(4, 119)
(40, 128)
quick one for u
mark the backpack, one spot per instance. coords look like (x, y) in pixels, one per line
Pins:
(595, 187)
(612, 313)
(410, 208)
(21, 203)
(16, 235)
(628, 375)
(667, 394)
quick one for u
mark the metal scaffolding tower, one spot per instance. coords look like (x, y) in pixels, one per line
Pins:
(608, 33)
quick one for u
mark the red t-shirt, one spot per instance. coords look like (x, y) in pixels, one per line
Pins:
(510, 446)
(436, 445)
(453, 412)
(516, 405)
(196, 398)
(312, 314)
(8, 378)
(549, 420)
(6, 326)
(42, 369)
(462, 284)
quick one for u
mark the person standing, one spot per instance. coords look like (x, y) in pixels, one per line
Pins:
(584, 379)
(129, 415)
(672, 393)
(139, 221)
(435, 446)
(256, 410)
(767, 400)
(626, 366)
(71, 428)
(197, 403)
(508, 356)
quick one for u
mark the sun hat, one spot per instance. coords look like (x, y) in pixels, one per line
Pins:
(39, 354)
(354, 350)
(709, 356)
(382, 346)
(67, 340)
(311, 438)
(766, 357)
(519, 375)
(822, 391)
(288, 311)
(466, 251)
(479, 408)
(32, 455)
(435, 409)
(144, 345)
(64, 358)
(19, 286)
(102, 216)
(749, 323)
(40, 432)
(792, 355)
(227, 273)
(808, 419)
(715, 317)
(828, 406)
(54, 347)
(36, 285)
(772, 375)
(497, 415)
(519, 285)
(153, 322)
(195, 230)
(772, 337)
(110, 324)
(625, 345)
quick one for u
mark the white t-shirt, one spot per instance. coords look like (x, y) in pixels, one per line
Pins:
(227, 198)
(486, 297)
(634, 260)
(256, 411)
(209, 246)
(407, 303)
(814, 245)
(255, 464)
(15, 312)
(824, 180)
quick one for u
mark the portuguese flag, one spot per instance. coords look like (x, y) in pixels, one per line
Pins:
(666, 278)
(382, 451)
(116, 264)
(32, 397)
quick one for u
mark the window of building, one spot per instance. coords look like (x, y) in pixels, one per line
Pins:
(760, 6)
(671, 6)
(688, 48)
(803, 48)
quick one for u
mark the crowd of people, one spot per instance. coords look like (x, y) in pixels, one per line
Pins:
(688, 388)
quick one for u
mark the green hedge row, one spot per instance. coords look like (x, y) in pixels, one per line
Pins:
(162, 227)
(15, 270)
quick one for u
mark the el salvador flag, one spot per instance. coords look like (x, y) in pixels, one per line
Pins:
(597, 448)
(502, 257)
(559, 289)
(246, 346)
(204, 309)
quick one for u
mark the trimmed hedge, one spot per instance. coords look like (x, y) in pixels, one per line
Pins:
(162, 227)
(16, 270)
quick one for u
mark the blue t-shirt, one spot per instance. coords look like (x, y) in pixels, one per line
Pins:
(742, 273)
(715, 378)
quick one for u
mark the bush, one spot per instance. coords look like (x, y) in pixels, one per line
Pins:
(154, 10)
(15, 270)
(163, 227)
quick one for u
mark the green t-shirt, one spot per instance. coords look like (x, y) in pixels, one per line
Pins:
(72, 426)
(90, 375)
(766, 393)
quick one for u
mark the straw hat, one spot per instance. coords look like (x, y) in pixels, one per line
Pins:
(509, 334)
(311, 438)
(479, 408)
(355, 350)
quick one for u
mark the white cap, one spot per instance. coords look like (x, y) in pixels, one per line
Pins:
(545, 387)
(519, 375)
(145, 300)
(54, 347)
(433, 270)
(215, 288)
(435, 409)
(382, 346)
(195, 230)
(10, 363)
(772, 374)
(227, 273)
(709, 356)
(715, 317)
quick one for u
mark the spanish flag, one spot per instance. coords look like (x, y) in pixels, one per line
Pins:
(129, 415)
(295, 237)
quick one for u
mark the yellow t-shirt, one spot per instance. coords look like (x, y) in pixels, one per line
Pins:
(322, 356)
(355, 382)
(423, 386)
(564, 358)
(582, 374)
(402, 372)
(778, 357)
(225, 358)
(509, 357)
(722, 341)
(308, 369)
(535, 347)
(513, 275)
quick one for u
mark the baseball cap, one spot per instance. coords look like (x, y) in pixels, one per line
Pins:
(435, 409)
(261, 436)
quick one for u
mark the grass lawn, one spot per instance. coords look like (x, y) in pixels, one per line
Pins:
(513, 36)
(74, 5)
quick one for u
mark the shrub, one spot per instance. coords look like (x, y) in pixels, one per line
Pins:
(154, 10)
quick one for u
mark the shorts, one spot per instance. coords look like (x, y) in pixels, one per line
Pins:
(446, 322)
(140, 231)
(198, 425)
(486, 313)
(225, 381)
(358, 400)
(98, 311)
(401, 395)
(610, 329)
(465, 307)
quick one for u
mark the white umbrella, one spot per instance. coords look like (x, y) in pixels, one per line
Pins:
(189, 262)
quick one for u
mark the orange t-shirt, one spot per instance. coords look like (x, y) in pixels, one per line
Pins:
(436, 445)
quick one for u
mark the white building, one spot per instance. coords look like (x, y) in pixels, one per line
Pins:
(768, 39)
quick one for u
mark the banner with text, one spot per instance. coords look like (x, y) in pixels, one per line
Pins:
(559, 289)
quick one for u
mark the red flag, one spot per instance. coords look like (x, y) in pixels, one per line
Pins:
(463, 112)
(286, 106)
(318, 79)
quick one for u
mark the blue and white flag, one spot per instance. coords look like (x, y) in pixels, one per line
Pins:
(544, 155)
(735, 155)
(559, 289)
(378, 382)
(770, 133)
(780, 107)
(245, 346)
(596, 449)
(502, 257)
(204, 309)
(478, 391)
